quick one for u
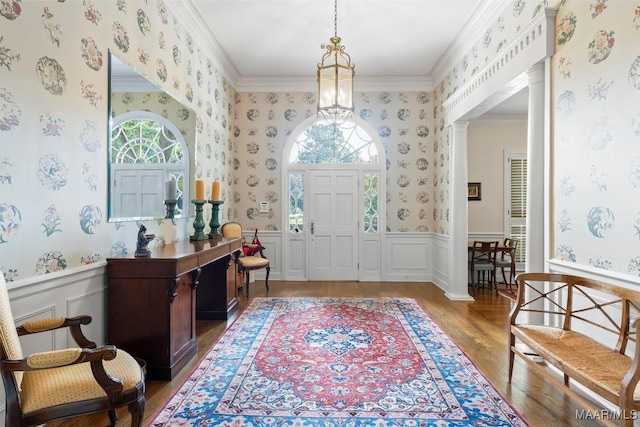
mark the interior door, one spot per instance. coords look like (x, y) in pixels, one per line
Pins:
(333, 225)
(137, 192)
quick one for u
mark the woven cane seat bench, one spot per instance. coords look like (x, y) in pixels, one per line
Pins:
(588, 328)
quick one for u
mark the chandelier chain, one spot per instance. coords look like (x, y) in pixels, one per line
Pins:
(335, 78)
(335, 18)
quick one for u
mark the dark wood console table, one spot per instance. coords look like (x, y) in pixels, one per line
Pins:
(153, 302)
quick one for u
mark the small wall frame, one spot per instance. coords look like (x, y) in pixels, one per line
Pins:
(474, 191)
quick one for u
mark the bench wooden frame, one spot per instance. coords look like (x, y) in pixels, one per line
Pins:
(601, 308)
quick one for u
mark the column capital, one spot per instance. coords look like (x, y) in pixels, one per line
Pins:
(535, 73)
(460, 125)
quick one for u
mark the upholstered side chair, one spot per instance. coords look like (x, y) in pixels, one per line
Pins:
(251, 256)
(65, 383)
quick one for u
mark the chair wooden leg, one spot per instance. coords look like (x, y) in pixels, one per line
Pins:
(512, 343)
(474, 284)
(266, 279)
(246, 282)
(113, 417)
(136, 409)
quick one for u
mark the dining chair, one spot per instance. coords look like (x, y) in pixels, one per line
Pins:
(507, 259)
(64, 383)
(248, 259)
(483, 260)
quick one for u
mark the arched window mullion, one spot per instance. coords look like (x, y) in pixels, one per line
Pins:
(334, 143)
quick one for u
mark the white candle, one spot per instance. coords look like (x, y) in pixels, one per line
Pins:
(171, 189)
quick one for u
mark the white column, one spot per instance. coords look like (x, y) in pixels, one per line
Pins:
(458, 214)
(534, 260)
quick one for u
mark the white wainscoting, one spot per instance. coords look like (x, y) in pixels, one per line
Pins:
(394, 257)
(408, 257)
(370, 261)
(564, 267)
(440, 274)
(64, 294)
(294, 260)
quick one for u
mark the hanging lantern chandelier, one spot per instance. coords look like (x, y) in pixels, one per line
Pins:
(335, 78)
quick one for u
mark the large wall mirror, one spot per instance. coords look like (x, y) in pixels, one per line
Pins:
(152, 139)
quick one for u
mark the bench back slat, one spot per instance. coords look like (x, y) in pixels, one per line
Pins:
(556, 295)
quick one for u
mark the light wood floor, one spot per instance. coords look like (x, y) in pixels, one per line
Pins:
(479, 328)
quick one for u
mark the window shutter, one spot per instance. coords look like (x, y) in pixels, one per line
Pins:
(518, 188)
(517, 203)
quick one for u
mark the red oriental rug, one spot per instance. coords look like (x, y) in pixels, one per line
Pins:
(318, 362)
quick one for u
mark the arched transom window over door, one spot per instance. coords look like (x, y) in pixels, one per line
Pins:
(333, 186)
(326, 142)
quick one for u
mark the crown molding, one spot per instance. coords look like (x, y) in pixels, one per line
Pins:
(275, 84)
(190, 17)
(309, 84)
(188, 14)
(486, 11)
(133, 84)
(393, 83)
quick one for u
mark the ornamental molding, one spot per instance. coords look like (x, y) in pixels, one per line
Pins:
(533, 44)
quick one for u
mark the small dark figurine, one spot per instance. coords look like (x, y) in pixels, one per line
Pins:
(143, 241)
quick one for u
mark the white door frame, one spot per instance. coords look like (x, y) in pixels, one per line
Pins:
(300, 240)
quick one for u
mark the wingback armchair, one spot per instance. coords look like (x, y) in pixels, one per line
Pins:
(59, 384)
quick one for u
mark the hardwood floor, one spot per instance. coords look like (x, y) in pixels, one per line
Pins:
(479, 328)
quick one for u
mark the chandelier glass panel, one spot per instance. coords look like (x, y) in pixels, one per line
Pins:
(335, 78)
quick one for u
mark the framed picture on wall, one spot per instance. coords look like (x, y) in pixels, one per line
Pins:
(473, 191)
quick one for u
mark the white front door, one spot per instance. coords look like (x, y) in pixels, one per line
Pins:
(333, 224)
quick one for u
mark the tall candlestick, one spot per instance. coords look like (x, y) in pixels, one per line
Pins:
(199, 189)
(198, 221)
(215, 222)
(171, 190)
(171, 208)
(215, 190)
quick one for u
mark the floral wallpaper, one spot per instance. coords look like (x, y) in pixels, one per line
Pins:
(402, 121)
(595, 80)
(53, 130)
(596, 106)
(54, 125)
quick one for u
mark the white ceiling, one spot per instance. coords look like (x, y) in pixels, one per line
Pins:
(394, 44)
(283, 38)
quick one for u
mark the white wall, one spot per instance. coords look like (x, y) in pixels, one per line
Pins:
(488, 140)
